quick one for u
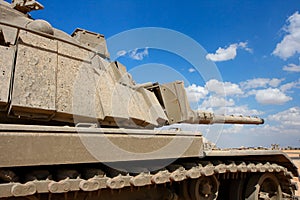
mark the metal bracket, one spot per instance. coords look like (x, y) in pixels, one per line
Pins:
(26, 6)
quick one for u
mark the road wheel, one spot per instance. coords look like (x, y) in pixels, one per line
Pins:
(204, 188)
(263, 187)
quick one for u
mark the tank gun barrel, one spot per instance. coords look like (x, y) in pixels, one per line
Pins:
(210, 118)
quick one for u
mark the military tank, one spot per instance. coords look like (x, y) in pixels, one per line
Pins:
(75, 125)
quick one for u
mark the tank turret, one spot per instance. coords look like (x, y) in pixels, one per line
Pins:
(52, 77)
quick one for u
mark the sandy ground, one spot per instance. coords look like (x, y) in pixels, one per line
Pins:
(295, 156)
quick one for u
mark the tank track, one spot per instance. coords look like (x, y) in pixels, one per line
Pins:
(175, 177)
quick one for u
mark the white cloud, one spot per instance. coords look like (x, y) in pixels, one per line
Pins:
(121, 53)
(261, 82)
(239, 110)
(271, 96)
(195, 93)
(290, 44)
(265, 135)
(244, 46)
(291, 68)
(290, 117)
(274, 82)
(274, 94)
(223, 88)
(229, 53)
(191, 70)
(288, 86)
(136, 54)
(235, 128)
(214, 101)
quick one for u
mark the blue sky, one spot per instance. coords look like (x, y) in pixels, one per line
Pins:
(253, 45)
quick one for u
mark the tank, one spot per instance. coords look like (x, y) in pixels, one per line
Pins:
(75, 125)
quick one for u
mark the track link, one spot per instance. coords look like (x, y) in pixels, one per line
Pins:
(177, 173)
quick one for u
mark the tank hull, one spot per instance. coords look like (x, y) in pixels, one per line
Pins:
(48, 145)
(72, 167)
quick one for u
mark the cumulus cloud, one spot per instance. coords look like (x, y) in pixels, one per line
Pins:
(136, 54)
(217, 88)
(191, 70)
(243, 45)
(290, 44)
(239, 110)
(291, 68)
(235, 128)
(271, 96)
(274, 82)
(121, 53)
(290, 117)
(196, 93)
(265, 135)
(223, 88)
(267, 91)
(229, 53)
(273, 92)
(288, 86)
(214, 101)
(261, 83)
